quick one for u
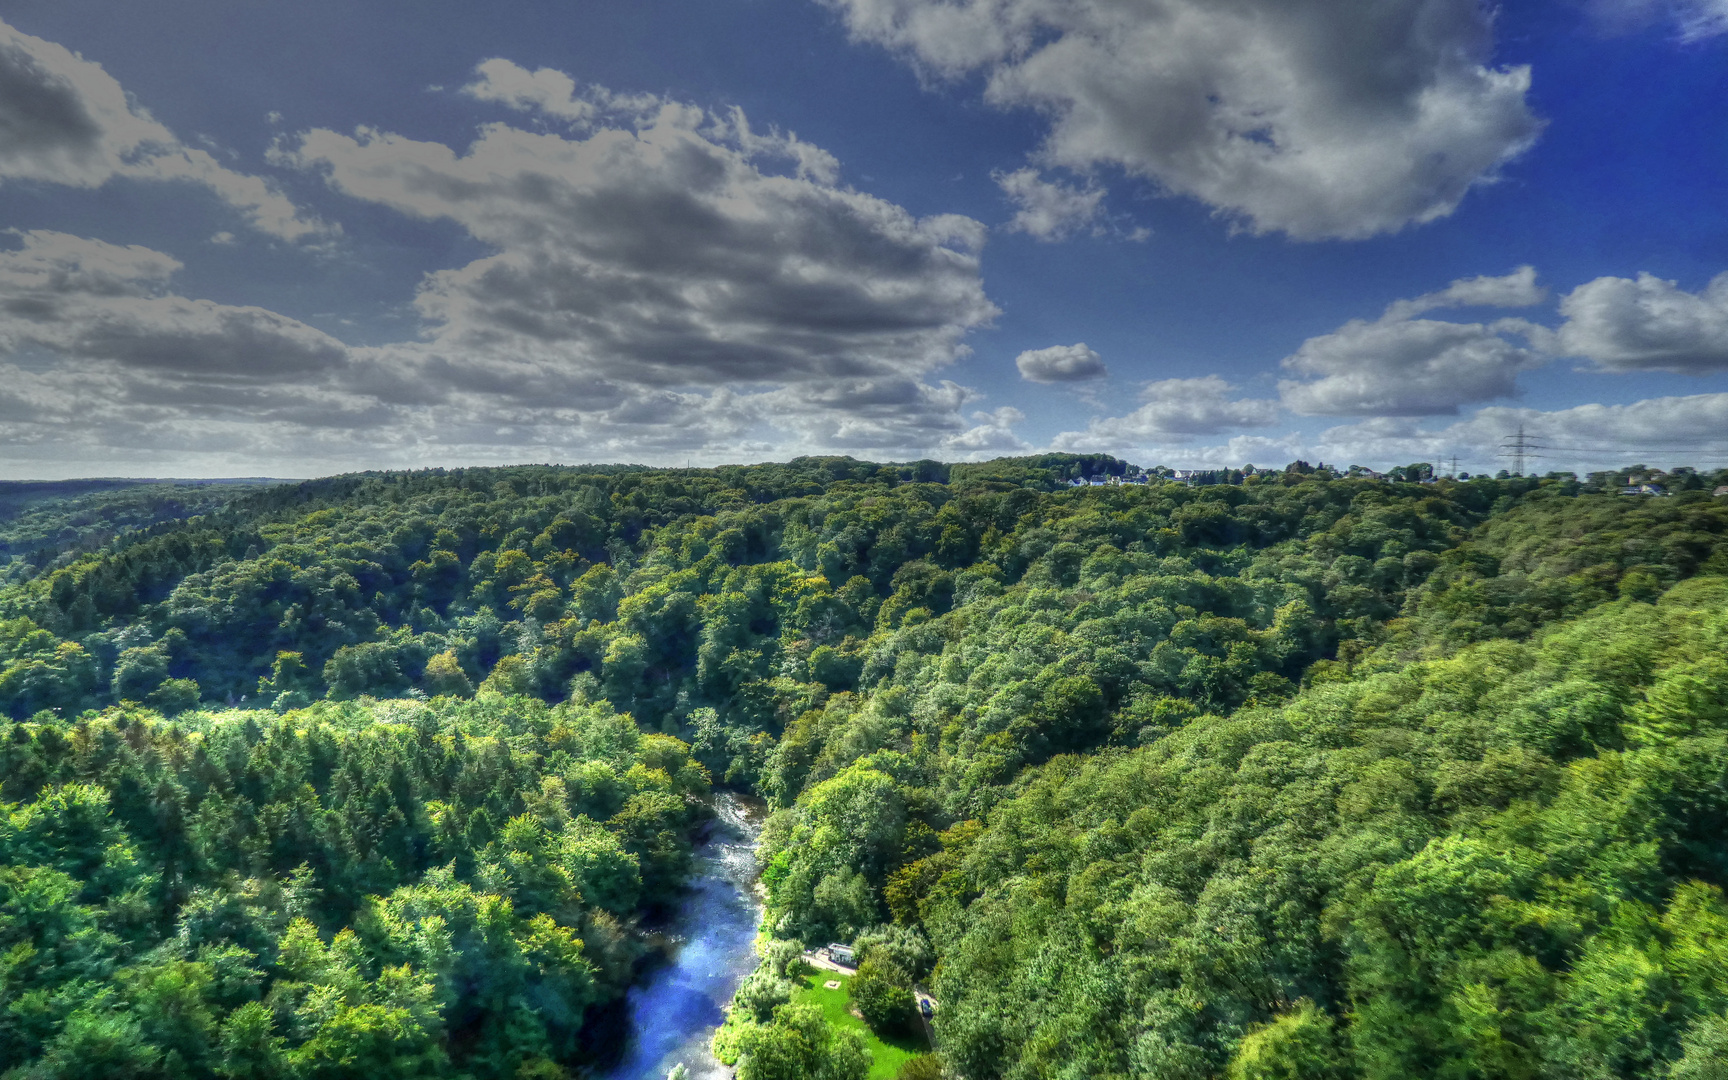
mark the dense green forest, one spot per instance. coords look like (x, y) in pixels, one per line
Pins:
(1290, 776)
(46, 523)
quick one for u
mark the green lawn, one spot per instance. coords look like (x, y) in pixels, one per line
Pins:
(887, 1054)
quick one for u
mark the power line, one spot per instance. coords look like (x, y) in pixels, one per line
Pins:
(1524, 447)
(1519, 447)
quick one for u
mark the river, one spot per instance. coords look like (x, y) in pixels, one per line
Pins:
(674, 1014)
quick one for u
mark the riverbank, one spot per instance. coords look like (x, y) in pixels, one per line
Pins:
(673, 1014)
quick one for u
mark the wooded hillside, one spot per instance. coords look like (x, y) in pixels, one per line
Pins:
(1300, 776)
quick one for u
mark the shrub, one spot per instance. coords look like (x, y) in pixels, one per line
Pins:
(883, 993)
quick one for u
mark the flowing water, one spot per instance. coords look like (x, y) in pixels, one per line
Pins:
(674, 1014)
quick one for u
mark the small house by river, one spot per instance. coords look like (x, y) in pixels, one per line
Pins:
(841, 954)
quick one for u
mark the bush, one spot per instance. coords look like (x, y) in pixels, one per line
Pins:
(801, 1045)
(1706, 1051)
(905, 946)
(761, 993)
(883, 993)
(139, 671)
(922, 1067)
(781, 957)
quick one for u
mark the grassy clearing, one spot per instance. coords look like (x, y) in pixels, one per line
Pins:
(887, 1054)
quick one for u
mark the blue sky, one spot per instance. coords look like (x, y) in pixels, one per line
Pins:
(298, 239)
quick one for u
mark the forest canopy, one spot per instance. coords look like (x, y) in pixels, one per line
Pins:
(1290, 774)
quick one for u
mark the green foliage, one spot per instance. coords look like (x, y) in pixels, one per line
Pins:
(883, 992)
(1289, 775)
(348, 890)
(922, 1067)
(1706, 1051)
(760, 994)
(444, 675)
(139, 672)
(173, 696)
(798, 1044)
(1298, 1045)
(1471, 866)
(903, 946)
(46, 524)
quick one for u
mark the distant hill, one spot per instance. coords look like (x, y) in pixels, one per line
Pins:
(44, 520)
(16, 495)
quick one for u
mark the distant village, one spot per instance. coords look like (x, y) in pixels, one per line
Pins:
(1422, 474)
(1638, 480)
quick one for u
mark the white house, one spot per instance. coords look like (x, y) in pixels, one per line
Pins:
(841, 954)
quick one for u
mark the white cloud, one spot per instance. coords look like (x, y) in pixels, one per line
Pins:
(1665, 432)
(1045, 210)
(1668, 431)
(64, 120)
(86, 300)
(1060, 363)
(1514, 290)
(105, 365)
(1700, 19)
(1693, 20)
(1399, 365)
(1239, 450)
(668, 255)
(1316, 118)
(1647, 324)
(655, 292)
(548, 90)
(1419, 367)
(878, 416)
(1175, 410)
(992, 437)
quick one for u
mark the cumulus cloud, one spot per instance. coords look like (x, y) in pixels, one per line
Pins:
(552, 93)
(104, 364)
(1514, 290)
(669, 254)
(1045, 210)
(1061, 363)
(64, 120)
(1646, 324)
(548, 90)
(992, 436)
(1400, 365)
(1175, 410)
(1315, 118)
(883, 416)
(1233, 453)
(1669, 430)
(664, 283)
(85, 300)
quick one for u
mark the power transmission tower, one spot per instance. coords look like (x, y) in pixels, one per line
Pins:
(1519, 446)
(1454, 472)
